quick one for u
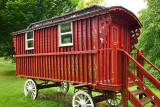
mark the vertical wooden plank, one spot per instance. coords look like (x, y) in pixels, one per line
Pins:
(85, 74)
(35, 51)
(46, 40)
(89, 36)
(41, 50)
(47, 67)
(43, 60)
(23, 40)
(62, 64)
(74, 27)
(80, 49)
(46, 51)
(108, 55)
(127, 36)
(38, 43)
(76, 49)
(58, 59)
(55, 50)
(22, 54)
(49, 51)
(94, 47)
(65, 65)
(97, 47)
(17, 70)
(69, 66)
(21, 66)
(52, 47)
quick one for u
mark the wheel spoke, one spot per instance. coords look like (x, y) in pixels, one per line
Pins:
(85, 98)
(89, 105)
(87, 101)
(78, 97)
(77, 101)
(81, 96)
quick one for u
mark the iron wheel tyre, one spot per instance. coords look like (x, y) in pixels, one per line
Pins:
(82, 99)
(30, 89)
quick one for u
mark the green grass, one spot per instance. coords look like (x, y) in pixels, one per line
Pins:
(11, 91)
(12, 95)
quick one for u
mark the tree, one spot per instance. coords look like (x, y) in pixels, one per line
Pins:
(85, 3)
(149, 40)
(18, 14)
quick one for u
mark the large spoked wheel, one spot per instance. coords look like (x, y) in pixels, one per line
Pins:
(116, 100)
(30, 89)
(63, 88)
(82, 99)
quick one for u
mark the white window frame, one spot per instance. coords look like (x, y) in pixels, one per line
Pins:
(26, 40)
(61, 34)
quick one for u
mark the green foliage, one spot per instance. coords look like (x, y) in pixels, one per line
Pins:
(149, 40)
(18, 14)
(85, 3)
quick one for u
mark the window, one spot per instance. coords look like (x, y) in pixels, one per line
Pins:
(65, 34)
(29, 40)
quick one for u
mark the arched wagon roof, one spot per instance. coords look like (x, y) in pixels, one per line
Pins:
(117, 12)
(120, 13)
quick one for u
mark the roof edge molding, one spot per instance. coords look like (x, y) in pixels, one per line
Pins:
(78, 14)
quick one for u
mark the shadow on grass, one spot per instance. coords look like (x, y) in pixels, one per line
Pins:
(59, 97)
(8, 73)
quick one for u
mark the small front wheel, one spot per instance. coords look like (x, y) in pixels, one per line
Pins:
(82, 99)
(116, 100)
(30, 89)
(63, 88)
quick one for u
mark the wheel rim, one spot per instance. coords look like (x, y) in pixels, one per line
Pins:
(63, 88)
(116, 100)
(82, 99)
(30, 89)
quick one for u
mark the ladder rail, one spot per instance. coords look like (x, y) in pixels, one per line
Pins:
(145, 89)
(134, 100)
(150, 63)
(145, 73)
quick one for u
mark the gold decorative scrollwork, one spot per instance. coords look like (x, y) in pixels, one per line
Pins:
(104, 22)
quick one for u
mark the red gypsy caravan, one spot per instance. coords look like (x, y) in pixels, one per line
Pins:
(91, 49)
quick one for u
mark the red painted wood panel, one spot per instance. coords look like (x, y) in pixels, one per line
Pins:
(76, 68)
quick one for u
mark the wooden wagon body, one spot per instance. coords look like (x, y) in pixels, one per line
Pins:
(94, 56)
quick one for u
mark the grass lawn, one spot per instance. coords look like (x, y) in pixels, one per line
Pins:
(12, 95)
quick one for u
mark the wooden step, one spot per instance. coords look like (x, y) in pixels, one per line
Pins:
(137, 92)
(145, 100)
(154, 105)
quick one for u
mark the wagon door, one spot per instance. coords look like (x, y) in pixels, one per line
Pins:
(116, 58)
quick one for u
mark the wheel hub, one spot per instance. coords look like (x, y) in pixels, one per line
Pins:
(29, 89)
(83, 103)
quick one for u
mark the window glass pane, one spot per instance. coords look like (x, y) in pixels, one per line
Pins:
(66, 38)
(30, 44)
(29, 35)
(65, 27)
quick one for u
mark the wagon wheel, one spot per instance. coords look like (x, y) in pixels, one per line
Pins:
(116, 100)
(30, 89)
(63, 88)
(82, 99)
